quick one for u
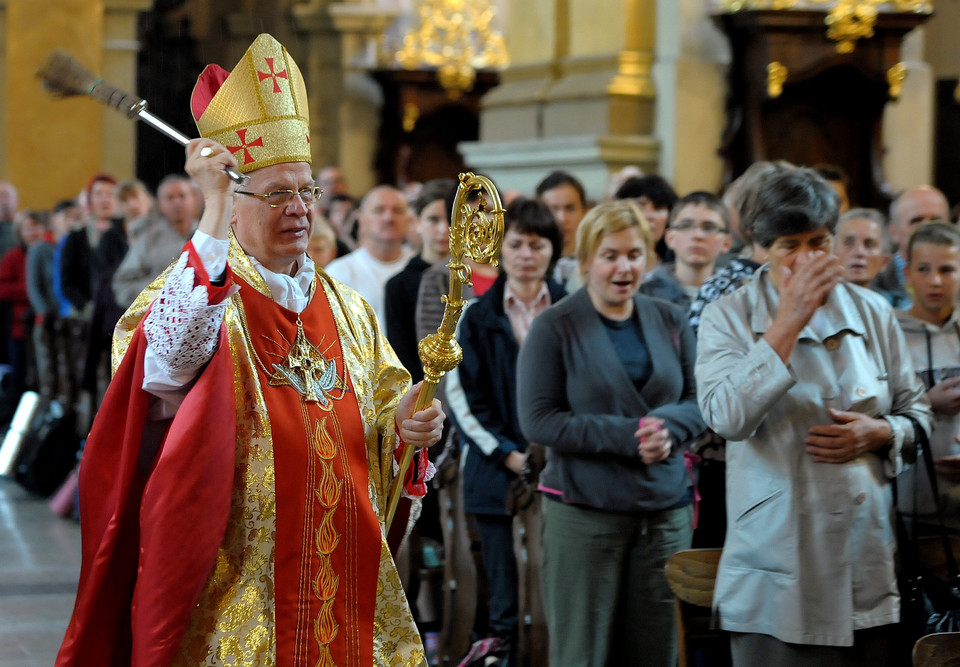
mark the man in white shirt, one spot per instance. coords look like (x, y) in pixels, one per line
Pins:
(383, 221)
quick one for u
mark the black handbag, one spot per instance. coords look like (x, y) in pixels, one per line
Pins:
(928, 604)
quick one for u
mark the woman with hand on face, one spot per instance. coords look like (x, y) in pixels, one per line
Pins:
(605, 383)
(810, 381)
(482, 395)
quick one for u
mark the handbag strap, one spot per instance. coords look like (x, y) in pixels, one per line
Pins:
(924, 451)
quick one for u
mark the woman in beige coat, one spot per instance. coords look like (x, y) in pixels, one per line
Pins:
(809, 380)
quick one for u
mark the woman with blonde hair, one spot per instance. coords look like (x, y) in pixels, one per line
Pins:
(605, 383)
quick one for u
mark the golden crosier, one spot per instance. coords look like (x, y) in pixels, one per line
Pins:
(476, 232)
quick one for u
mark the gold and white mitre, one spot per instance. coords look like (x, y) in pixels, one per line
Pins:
(259, 110)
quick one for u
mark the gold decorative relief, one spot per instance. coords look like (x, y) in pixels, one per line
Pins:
(776, 76)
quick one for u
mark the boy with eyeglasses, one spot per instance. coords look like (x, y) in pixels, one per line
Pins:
(698, 231)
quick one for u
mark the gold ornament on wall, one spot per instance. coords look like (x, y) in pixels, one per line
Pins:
(776, 76)
(457, 38)
(850, 21)
(847, 21)
(411, 114)
(895, 77)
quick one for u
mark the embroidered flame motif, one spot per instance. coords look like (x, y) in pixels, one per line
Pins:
(326, 660)
(327, 582)
(328, 494)
(327, 538)
(323, 444)
(326, 626)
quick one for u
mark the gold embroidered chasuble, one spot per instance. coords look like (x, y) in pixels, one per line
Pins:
(235, 621)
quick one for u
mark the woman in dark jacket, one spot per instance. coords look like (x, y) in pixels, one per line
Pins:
(483, 400)
(605, 383)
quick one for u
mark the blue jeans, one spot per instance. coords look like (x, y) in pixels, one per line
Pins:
(500, 565)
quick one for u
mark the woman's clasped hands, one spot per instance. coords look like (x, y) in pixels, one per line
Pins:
(655, 443)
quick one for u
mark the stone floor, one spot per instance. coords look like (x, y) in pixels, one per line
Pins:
(39, 568)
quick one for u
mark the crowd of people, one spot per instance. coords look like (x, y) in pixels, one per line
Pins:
(619, 289)
(804, 340)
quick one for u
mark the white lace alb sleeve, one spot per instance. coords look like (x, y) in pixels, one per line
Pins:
(182, 331)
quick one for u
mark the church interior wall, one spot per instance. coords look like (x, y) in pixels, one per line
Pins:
(564, 54)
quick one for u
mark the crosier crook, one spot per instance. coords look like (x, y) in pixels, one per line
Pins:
(474, 233)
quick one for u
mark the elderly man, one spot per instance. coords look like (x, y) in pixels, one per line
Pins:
(161, 242)
(234, 485)
(383, 221)
(909, 209)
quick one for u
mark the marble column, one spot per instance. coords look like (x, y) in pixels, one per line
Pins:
(347, 100)
(583, 102)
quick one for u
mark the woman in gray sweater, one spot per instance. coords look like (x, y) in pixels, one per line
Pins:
(605, 382)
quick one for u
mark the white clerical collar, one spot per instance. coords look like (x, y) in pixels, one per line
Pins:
(291, 292)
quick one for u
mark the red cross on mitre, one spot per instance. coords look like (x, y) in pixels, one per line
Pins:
(244, 146)
(272, 75)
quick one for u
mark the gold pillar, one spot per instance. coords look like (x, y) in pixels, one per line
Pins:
(632, 92)
(561, 37)
(52, 146)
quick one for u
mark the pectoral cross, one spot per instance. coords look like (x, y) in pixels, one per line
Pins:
(306, 370)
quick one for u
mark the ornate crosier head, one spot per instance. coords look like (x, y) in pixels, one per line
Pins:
(476, 230)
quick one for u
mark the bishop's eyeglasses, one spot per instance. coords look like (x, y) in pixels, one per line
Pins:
(280, 198)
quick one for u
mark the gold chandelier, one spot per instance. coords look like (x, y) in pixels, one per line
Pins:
(847, 21)
(456, 38)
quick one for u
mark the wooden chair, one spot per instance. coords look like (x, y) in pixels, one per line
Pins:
(533, 644)
(691, 575)
(461, 585)
(937, 650)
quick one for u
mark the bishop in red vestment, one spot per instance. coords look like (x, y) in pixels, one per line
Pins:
(234, 484)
